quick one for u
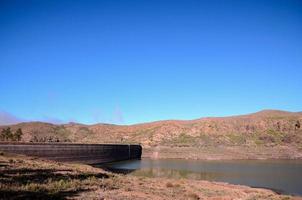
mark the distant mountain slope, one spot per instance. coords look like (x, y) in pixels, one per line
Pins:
(267, 127)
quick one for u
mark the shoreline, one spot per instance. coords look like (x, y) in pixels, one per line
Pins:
(51, 180)
(229, 159)
(206, 170)
(223, 153)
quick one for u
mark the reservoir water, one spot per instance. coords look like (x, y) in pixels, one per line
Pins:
(282, 176)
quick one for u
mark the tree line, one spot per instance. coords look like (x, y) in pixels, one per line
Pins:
(46, 139)
(8, 135)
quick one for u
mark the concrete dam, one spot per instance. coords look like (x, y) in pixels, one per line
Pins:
(80, 153)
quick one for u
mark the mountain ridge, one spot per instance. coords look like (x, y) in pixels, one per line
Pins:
(274, 130)
(261, 112)
(204, 124)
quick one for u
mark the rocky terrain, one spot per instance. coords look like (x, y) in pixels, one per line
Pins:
(24, 177)
(265, 134)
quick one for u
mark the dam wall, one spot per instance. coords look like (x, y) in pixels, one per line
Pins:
(80, 153)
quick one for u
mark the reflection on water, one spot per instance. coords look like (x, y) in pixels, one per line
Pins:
(172, 173)
(283, 176)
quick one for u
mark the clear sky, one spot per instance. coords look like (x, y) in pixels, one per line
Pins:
(130, 61)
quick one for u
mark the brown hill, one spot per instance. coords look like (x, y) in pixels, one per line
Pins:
(268, 128)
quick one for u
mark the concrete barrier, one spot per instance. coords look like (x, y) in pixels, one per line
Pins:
(81, 153)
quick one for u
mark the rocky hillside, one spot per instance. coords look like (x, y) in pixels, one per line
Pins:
(268, 127)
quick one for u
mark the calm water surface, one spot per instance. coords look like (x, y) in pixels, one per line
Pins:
(283, 176)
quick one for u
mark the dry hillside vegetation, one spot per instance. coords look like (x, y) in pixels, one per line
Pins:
(263, 130)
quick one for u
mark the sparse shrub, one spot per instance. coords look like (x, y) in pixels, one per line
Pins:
(183, 139)
(237, 139)
(169, 184)
(19, 161)
(2, 135)
(33, 187)
(193, 196)
(109, 184)
(59, 185)
(287, 139)
(267, 138)
(297, 125)
(34, 139)
(92, 180)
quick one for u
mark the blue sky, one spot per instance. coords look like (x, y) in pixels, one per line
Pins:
(129, 62)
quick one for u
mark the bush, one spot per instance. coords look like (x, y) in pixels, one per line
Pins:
(7, 135)
(297, 125)
(169, 184)
(18, 134)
